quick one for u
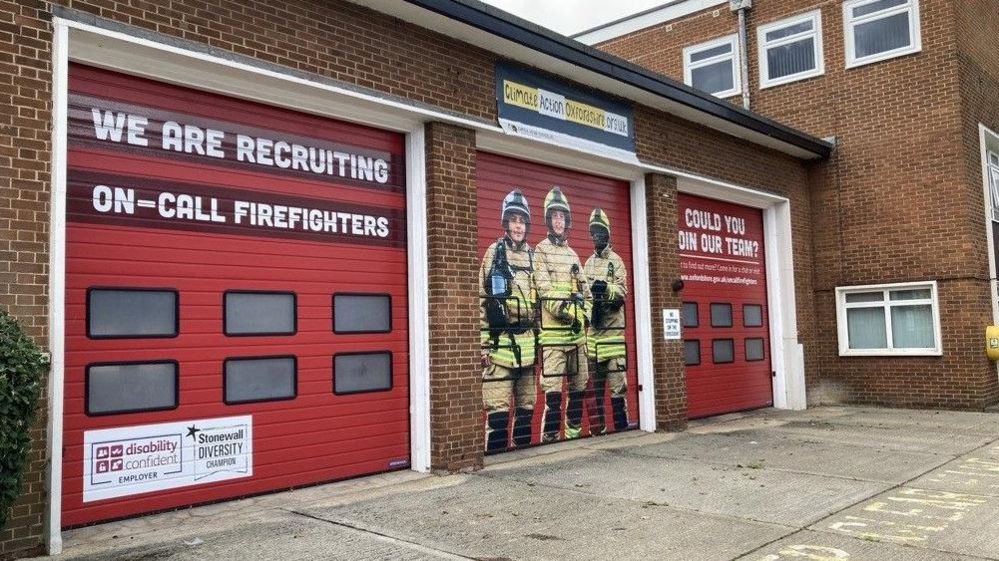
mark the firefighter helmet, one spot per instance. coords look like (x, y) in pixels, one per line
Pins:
(515, 202)
(599, 218)
(557, 201)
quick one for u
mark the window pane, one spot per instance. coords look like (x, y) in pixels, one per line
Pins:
(356, 313)
(866, 328)
(877, 7)
(691, 353)
(362, 372)
(995, 240)
(712, 52)
(722, 350)
(689, 314)
(788, 31)
(713, 78)
(752, 315)
(793, 58)
(994, 183)
(754, 349)
(882, 35)
(994, 158)
(917, 294)
(721, 315)
(912, 327)
(864, 297)
(259, 313)
(120, 388)
(257, 379)
(131, 313)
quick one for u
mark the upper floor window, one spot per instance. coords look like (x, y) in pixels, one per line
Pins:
(713, 67)
(880, 29)
(790, 49)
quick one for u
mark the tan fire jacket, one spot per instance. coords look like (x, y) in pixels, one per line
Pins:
(520, 307)
(606, 341)
(559, 274)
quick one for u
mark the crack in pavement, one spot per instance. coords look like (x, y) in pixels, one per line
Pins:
(395, 540)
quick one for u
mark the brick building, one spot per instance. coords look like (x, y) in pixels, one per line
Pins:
(255, 238)
(907, 89)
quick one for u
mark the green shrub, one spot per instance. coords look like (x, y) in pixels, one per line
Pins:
(22, 364)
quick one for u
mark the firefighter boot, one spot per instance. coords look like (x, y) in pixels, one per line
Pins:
(620, 405)
(522, 427)
(553, 416)
(597, 425)
(574, 415)
(496, 431)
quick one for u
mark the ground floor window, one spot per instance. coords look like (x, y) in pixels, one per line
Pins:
(890, 319)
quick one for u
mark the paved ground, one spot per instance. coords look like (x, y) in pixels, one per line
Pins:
(825, 484)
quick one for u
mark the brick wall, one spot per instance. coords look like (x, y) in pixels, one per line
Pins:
(664, 268)
(456, 425)
(25, 94)
(345, 42)
(978, 71)
(899, 200)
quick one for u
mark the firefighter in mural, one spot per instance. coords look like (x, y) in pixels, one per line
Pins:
(564, 298)
(508, 326)
(608, 281)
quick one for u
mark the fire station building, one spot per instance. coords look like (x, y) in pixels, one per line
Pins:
(274, 244)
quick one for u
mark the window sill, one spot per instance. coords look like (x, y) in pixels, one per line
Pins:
(890, 353)
(790, 79)
(721, 95)
(854, 63)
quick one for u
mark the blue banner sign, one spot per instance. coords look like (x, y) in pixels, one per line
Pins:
(537, 106)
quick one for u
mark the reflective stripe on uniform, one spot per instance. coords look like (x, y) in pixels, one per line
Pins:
(503, 354)
(608, 347)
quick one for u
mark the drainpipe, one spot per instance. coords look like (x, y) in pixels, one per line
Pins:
(741, 7)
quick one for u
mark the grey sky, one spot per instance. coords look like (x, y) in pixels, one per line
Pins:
(572, 16)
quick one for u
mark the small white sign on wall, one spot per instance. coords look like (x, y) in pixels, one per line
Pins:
(671, 324)
(139, 459)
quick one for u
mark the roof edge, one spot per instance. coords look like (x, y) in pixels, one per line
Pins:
(512, 28)
(642, 20)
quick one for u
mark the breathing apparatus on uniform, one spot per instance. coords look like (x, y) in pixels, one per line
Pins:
(605, 301)
(498, 284)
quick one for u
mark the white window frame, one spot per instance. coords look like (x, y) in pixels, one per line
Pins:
(912, 7)
(763, 46)
(733, 56)
(989, 148)
(842, 306)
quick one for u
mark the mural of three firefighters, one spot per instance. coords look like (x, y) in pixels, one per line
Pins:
(552, 325)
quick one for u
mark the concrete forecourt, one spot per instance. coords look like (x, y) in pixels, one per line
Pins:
(830, 483)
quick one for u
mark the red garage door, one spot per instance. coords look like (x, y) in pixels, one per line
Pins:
(558, 349)
(235, 303)
(725, 320)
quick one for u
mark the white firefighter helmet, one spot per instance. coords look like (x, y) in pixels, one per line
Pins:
(515, 202)
(557, 201)
(599, 218)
